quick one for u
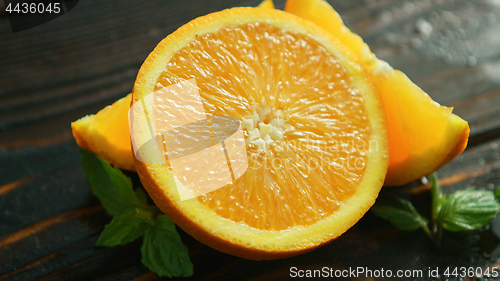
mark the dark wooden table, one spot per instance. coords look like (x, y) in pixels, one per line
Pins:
(76, 64)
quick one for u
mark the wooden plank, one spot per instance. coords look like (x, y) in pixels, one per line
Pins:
(65, 247)
(42, 241)
(94, 60)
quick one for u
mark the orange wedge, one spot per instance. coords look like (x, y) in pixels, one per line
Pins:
(314, 127)
(107, 134)
(423, 135)
(268, 4)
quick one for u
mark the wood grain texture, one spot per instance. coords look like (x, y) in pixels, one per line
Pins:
(60, 71)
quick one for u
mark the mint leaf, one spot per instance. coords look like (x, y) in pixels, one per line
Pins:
(163, 251)
(141, 195)
(468, 209)
(399, 212)
(111, 186)
(125, 228)
(497, 193)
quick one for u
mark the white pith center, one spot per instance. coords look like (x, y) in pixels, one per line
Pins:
(265, 127)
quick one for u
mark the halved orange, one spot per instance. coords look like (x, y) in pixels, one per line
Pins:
(314, 124)
(423, 135)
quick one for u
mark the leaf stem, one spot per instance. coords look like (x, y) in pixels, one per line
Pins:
(437, 194)
(427, 230)
(439, 236)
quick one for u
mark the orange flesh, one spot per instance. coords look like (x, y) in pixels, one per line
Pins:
(242, 68)
(114, 131)
(107, 134)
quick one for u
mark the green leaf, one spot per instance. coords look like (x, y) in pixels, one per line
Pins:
(468, 210)
(497, 193)
(163, 251)
(141, 194)
(125, 228)
(399, 212)
(111, 186)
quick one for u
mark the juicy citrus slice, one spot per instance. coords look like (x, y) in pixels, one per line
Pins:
(107, 134)
(423, 136)
(268, 4)
(314, 127)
